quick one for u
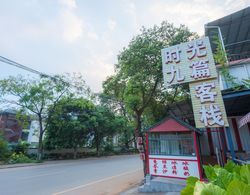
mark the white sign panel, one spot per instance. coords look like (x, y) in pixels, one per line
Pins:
(173, 167)
(208, 106)
(188, 62)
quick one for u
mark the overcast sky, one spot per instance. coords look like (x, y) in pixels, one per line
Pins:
(57, 36)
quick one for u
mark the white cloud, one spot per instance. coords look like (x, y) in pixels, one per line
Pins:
(99, 66)
(190, 14)
(68, 3)
(111, 24)
(72, 25)
(234, 5)
(93, 36)
(130, 8)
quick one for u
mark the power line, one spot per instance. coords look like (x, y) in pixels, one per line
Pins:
(18, 65)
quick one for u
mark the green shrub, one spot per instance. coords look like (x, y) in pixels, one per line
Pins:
(4, 151)
(21, 147)
(109, 148)
(19, 158)
(229, 180)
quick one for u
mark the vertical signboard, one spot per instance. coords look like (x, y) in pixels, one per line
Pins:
(207, 102)
(193, 63)
(188, 62)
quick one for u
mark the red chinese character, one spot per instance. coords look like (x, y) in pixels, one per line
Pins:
(186, 173)
(174, 167)
(164, 162)
(174, 172)
(174, 162)
(164, 171)
(155, 166)
(186, 168)
(185, 163)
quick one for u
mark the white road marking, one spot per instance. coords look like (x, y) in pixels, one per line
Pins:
(98, 181)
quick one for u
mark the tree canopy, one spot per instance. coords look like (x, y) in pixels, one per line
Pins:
(37, 96)
(138, 80)
(70, 124)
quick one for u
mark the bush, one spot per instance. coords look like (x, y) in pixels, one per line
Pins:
(4, 151)
(21, 147)
(109, 148)
(229, 180)
(19, 158)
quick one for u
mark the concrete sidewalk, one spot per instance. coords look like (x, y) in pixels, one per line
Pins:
(134, 191)
(158, 186)
(7, 166)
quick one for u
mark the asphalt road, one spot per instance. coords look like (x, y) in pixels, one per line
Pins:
(104, 175)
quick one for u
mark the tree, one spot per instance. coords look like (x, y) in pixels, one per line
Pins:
(140, 68)
(112, 97)
(70, 124)
(4, 151)
(35, 96)
(106, 124)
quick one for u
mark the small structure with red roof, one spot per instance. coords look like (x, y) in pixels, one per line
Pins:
(172, 150)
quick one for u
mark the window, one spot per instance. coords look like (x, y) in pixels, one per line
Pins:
(178, 144)
(239, 72)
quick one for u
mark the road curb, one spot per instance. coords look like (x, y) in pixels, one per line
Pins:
(8, 166)
(19, 165)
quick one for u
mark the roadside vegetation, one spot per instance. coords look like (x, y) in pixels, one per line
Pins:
(231, 179)
(12, 154)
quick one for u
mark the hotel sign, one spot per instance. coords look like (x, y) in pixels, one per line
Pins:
(188, 62)
(193, 63)
(207, 102)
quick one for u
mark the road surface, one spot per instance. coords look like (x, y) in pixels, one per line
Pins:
(101, 176)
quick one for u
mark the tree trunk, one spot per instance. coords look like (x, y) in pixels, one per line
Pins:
(126, 137)
(97, 144)
(138, 133)
(75, 152)
(40, 144)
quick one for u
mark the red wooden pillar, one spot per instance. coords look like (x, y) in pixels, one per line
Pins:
(223, 138)
(237, 134)
(210, 141)
(223, 144)
(147, 154)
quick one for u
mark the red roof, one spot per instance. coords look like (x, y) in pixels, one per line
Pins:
(169, 125)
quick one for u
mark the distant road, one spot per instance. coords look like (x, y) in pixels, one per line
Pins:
(105, 175)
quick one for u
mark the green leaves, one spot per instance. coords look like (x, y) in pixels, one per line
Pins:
(223, 178)
(210, 173)
(231, 180)
(207, 189)
(189, 189)
(245, 173)
(70, 123)
(238, 188)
